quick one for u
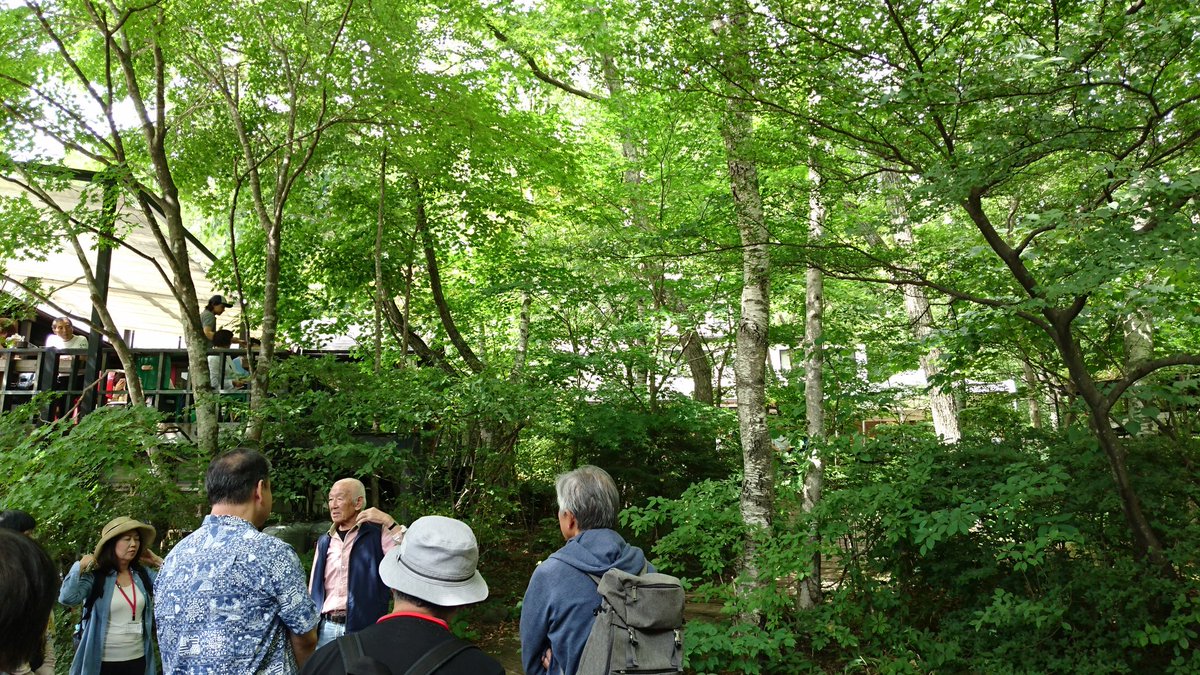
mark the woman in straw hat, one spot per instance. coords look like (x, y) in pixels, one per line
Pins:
(118, 633)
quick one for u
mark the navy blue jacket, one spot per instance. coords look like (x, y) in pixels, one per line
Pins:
(367, 598)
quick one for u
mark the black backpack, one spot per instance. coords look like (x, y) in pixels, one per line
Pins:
(354, 662)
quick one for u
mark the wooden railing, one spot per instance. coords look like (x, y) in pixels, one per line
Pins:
(163, 373)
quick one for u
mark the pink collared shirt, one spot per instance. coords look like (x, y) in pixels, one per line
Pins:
(337, 565)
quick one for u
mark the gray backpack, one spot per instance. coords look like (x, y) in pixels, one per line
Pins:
(638, 626)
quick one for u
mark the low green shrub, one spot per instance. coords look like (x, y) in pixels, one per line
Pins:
(997, 554)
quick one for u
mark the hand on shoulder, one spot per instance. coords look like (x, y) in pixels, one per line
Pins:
(150, 558)
(374, 515)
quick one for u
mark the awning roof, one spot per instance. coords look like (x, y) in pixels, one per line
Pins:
(140, 299)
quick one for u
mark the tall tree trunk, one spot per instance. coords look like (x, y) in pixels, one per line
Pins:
(943, 407)
(698, 364)
(1146, 541)
(522, 350)
(379, 297)
(758, 482)
(260, 379)
(435, 282)
(377, 366)
(1139, 348)
(173, 243)
(814, 389)
(1031, 394)
(1057, 323)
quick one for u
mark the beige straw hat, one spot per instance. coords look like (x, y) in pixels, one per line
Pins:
(119, 526)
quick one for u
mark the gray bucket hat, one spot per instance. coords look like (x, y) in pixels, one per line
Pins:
(436, 562)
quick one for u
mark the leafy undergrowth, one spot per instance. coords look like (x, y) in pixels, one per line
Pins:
(991, 556)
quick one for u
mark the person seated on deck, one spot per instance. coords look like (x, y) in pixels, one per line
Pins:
(64, 337)
(223, 376)
(9, 339)
(240, 364)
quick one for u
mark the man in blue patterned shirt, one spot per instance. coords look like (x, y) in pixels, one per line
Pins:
(231, 600)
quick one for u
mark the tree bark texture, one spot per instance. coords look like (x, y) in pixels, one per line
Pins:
(1138, 336)
(522, 350)
(700, 367)
(758, 483)
(379, 262)
(1031, 394)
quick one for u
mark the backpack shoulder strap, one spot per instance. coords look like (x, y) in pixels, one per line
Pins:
(351, 648)
(93, 595)
(438, 656)
(146, 582)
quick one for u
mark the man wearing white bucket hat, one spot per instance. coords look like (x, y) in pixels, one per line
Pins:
(432, 574)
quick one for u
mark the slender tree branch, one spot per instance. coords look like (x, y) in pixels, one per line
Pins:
(435, 282)
(1144, 369)
(542, 74)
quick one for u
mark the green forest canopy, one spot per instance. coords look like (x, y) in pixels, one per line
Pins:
(553, 209)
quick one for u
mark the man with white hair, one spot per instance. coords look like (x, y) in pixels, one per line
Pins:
(432, 575)
(345, 581)
(561, 600)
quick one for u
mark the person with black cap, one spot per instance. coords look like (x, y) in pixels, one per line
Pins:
(432, 574)
(208, 318)
(17, 520)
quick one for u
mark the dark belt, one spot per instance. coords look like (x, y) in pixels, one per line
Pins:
(337, 616)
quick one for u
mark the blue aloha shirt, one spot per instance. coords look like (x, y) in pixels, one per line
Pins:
(226, 600)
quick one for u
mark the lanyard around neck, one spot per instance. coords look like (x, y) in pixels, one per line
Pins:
(131, 602)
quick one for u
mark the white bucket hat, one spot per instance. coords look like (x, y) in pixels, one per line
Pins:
(436, 562)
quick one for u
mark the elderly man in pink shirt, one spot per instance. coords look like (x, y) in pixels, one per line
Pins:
(345, 582)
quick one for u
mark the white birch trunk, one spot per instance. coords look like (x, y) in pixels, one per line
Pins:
(814, 389)
(942, 406)
(1032, 397)
(1139, 348)
(758, 483)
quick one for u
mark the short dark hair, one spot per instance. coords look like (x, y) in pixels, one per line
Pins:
(17, 520)
(440, 611)
(222, 338)
(29, 585)
(232, 476)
